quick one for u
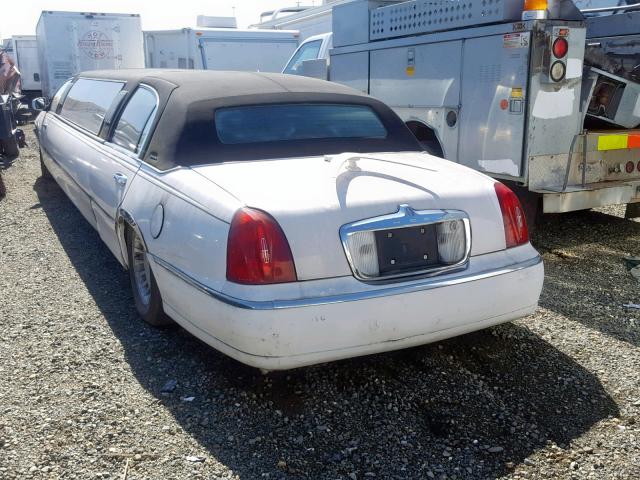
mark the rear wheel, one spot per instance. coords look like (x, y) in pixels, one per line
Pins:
(145, 289)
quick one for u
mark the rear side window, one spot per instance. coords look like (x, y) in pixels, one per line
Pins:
(289, 122)
(88, 101)
(59, 96)
(133, 126)
(308, 51)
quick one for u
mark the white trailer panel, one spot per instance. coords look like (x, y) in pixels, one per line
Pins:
(220, 49)
(25, 53)
(72, 42)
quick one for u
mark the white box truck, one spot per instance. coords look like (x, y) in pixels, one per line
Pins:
(220, 49)
(72, 42)
(24, 51)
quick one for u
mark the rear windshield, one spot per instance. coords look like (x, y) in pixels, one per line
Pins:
(290, 122)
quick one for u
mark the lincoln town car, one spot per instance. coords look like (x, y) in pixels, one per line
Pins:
(283, 220)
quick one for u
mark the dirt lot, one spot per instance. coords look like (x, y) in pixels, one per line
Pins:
(555, 395)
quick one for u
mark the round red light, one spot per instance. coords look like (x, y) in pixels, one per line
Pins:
(630, 167)
(560, 47)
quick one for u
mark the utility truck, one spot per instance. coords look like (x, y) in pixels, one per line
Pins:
(537, 93)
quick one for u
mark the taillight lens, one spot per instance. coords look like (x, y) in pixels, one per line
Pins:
(560, 47)
(515, 224)
(630, 167)
(258, 252)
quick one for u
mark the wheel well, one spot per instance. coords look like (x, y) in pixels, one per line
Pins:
(427, 137)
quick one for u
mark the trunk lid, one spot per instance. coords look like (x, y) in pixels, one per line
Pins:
(311, 198)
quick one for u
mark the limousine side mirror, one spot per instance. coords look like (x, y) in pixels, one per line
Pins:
(39, 104)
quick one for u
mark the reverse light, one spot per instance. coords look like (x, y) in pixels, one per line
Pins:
(258, 252)
(558, 71)
(513, 218)
(451, 241)
(364, 253)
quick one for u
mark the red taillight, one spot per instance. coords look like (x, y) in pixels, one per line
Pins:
(257, 250)
(560, 47)
(630, 167)
(515, 223)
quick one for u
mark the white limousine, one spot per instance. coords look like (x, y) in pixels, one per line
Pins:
(283, 220)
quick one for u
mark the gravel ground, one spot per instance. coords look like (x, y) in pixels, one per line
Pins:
(555, 395)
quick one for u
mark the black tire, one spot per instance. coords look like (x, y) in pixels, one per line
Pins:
(151, 309)
(3, 189)
(10, 147)
(45, 173)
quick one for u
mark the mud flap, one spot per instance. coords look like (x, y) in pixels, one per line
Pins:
(633, 210)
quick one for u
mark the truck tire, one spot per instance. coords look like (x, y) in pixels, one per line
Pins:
(3, 189)
(10, 147)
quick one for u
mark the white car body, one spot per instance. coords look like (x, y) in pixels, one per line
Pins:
(184, 214)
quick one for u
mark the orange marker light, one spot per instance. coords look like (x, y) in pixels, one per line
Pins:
(535, 4)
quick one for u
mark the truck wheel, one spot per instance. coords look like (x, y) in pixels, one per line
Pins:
(10, 147)
(3, 189)
(145, 289)
(45, 173)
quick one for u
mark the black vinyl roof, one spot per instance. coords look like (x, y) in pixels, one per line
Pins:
(185, 133)
(195, 85)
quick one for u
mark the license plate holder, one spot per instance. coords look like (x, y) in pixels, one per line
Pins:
(403, 250)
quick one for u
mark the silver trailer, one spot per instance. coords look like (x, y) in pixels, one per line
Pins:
(24, 51)
(72, 42)
(220, 49)
(506, 91)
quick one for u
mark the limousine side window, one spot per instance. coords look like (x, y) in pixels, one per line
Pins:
(88, 101)
(59, 96)
(136, 119)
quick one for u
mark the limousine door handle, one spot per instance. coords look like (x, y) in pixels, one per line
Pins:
(120, 178)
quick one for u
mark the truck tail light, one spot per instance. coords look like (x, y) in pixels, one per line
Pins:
(258, 252)
(515, 224)
(560, 47)
(559, 52)
(630, 167)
